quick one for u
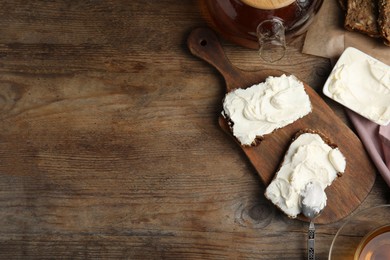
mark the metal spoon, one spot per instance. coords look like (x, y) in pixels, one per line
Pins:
(311, 214)
(314, 191)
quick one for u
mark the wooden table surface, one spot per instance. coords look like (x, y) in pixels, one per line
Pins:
(110, 145)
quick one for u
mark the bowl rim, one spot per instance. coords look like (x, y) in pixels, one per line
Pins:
(357, 213)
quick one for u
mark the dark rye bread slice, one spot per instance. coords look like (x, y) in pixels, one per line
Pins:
(293, 139)
(362, 16)
(384, 20)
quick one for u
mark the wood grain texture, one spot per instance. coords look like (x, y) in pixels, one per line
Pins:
(109, 140)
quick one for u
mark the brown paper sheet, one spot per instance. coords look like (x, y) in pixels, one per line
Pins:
(327, 37)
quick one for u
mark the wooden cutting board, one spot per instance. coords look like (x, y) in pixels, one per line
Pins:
(346, 193)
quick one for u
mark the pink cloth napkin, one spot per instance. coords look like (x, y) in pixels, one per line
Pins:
(376, 139)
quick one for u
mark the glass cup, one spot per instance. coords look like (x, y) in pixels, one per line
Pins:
(365, 235)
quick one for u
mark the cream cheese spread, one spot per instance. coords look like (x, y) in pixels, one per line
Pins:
(308, 160)
(361, 83)
(262, 108)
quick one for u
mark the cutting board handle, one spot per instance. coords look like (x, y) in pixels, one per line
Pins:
(204, 43)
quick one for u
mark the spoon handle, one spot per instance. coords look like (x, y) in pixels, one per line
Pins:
(310, 241)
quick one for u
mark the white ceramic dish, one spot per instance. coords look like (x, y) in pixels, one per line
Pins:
(362, 84)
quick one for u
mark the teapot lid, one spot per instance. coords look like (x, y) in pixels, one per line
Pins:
(268, 4)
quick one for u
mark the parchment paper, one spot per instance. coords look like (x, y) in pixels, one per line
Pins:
(327, 37)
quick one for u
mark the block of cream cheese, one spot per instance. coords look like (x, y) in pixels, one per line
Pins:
(362, 84)
(309, 160)
(260, 109)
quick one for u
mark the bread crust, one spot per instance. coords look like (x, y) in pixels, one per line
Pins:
(325, 138)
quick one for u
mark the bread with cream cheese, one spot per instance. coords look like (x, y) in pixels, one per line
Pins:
(261, 109)
(310, 157)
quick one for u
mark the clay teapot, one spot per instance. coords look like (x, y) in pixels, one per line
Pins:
(266, 25)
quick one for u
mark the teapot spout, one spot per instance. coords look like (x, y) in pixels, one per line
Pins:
(272, 39)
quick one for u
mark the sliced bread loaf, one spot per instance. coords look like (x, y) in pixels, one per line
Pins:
(362, 16)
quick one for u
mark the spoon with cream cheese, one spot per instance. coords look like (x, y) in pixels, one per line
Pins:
(313, 201)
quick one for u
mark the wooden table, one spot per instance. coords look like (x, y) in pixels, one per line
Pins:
(110, 146)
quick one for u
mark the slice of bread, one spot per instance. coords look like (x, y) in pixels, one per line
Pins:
(311, 157)
(362, 16)
(384, 20)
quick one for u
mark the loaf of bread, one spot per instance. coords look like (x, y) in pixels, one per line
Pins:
(310, 158)
(384, 20)
(362, 16)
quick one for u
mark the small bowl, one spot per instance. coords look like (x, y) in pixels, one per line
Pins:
(356, 229)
